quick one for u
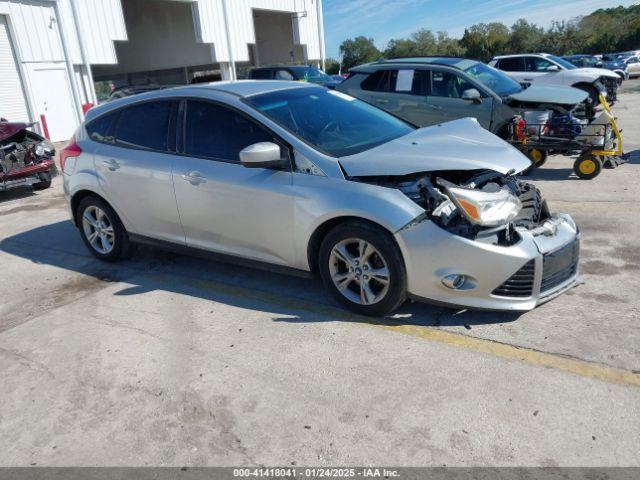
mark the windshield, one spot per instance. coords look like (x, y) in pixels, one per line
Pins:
(311, 74)
(339, 126)
(562, 61)
(497, 81)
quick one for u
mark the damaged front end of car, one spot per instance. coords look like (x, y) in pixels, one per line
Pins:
(486, 240)
(26, 158)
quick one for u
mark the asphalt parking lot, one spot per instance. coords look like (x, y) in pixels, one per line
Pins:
(172, 360)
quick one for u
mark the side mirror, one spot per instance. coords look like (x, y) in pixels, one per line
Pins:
(472, 94)
(553, 68)
(263, 155)
(599, 64)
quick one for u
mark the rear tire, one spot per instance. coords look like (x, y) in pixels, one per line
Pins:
(101, 230)
(367, 264)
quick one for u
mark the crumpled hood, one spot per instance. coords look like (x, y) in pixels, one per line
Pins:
(550, 94)
(597, 72)
(458, 145)
(9, 129)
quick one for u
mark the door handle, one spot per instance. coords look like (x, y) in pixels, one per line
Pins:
(435, 107)
(528, 79)
(112, 164)
(195, 178)
(381, 100)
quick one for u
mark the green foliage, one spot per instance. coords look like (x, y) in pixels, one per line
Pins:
(357, 51)
(331, 66)
(605, 30)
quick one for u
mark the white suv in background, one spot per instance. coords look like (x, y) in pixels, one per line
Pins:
(633, 65)
(544, 68)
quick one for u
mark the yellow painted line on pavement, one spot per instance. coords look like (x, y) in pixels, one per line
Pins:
(290, 306)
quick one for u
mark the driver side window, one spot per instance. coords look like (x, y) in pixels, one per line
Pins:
(447, 84)
(537, 64)
(283, 75)
(213, 131)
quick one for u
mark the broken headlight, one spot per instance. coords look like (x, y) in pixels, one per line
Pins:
(488, 209)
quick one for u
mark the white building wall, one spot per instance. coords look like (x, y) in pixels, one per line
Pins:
(240, 18)
(36, 27)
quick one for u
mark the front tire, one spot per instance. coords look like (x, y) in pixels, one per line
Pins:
(101, 230)
(362, 267)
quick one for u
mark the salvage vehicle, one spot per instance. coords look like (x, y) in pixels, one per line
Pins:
(431, 90)
(26, 158)
(302, 73)
(547, 69)
(609, 63)
(306, 179)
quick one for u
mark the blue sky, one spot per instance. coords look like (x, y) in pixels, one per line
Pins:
(386, 19)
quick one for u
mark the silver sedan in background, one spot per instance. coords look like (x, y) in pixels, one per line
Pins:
(309, 179)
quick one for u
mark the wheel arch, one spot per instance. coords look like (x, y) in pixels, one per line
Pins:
(322, 230)
(78, 196)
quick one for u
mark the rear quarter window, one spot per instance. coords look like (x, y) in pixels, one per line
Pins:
(101, 129)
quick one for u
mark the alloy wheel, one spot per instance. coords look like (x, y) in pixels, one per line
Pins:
(98, 229)
(359, 271)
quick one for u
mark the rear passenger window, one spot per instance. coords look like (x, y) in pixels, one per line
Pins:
(264, 74)
(406, 81)
(145, 126)
(213, 131)
(511, 64)
(101, 129)
(376, 82)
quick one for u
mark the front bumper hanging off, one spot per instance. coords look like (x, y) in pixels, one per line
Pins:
(540, 266)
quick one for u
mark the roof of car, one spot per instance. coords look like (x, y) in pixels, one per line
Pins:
(512, 55)
(237, 88)
(247, 88)
(456, 62)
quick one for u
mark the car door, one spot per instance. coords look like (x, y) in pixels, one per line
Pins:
(134, 166)
(224, 206)
(537, 67)
(446, 102)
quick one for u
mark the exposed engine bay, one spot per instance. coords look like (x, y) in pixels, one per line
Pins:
(432, 192)
(25, 156)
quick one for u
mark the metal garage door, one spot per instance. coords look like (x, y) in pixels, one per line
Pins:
(12, 101)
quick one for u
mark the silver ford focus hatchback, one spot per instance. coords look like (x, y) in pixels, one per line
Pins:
(309, 179)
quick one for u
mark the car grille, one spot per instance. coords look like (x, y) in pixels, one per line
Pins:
(560, 266)
(520, 284)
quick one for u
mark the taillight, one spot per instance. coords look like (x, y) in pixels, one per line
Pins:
(71, 150)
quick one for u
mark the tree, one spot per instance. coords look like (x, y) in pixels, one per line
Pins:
(449, 46)
(357, 51)
(525, 37)
(605, 30)
(484, 40)
(331, 66)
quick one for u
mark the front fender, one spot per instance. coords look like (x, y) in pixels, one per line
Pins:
(321, 199)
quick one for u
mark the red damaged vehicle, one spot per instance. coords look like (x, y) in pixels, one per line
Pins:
(26, 158)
